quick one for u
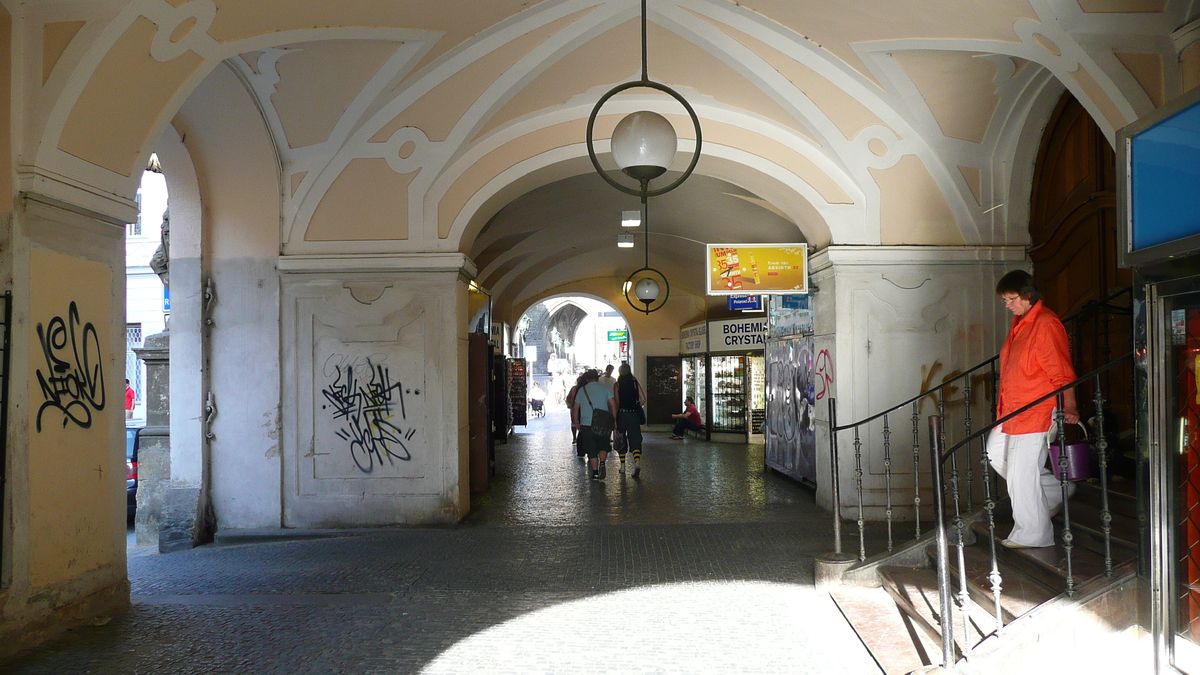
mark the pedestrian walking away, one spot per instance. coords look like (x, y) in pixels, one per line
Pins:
(592, 397)
(630, 416)
(1034, 361)
(570, 401)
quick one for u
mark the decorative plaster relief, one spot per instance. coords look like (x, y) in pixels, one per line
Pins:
(366, 292)
(365, 373)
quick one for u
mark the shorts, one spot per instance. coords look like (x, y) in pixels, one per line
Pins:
(592, 444)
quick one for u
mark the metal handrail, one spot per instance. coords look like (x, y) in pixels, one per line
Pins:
(940, 456)
(1066, 387)
(1089, 306)
(1103, 306)
(925, 394)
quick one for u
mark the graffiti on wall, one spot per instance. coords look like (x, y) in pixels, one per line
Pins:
(823, 374)
(73, 380)
(371, 409)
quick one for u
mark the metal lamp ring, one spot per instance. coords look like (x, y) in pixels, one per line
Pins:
(645, 308)
(643, 193)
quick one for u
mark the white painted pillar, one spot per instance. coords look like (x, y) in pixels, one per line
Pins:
(890, 322)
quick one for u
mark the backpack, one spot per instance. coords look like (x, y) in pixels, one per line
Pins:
(602, 419)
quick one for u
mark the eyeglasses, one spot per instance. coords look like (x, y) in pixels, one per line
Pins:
(1005, 300)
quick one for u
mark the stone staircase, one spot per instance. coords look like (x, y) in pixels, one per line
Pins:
(899, 620)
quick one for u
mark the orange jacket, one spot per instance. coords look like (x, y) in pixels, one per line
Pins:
(1034, 361)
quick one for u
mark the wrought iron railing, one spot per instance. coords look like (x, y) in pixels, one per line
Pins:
(952, 521)
(967, 412)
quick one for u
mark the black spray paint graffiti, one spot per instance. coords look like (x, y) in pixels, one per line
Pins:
(368, 406)
(72, 383)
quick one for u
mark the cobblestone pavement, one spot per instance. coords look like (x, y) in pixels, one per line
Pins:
(702, 565)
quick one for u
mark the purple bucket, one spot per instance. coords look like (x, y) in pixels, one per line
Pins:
(1081, 465)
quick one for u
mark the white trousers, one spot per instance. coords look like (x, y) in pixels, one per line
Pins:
(1020, 459)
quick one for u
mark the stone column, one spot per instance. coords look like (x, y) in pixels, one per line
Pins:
(154, 453)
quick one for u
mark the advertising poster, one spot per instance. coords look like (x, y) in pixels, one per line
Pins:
(738, 269)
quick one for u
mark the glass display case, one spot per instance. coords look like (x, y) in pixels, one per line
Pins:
(729, 393)
(694, 376)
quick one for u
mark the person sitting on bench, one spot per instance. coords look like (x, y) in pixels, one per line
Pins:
(688, 419)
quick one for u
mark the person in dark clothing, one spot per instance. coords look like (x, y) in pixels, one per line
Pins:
(688, 419)
(630, 399)
(570, 400)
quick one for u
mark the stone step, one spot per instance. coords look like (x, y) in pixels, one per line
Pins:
(915, 591)
(1121, 499)
(1086, 526)
(1019, 592)
(1046, 565)
(896, 643)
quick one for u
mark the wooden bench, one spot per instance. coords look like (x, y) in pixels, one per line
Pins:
(700, 433)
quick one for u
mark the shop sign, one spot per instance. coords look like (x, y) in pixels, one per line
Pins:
(746, 303)
(618, 335)
(737, 335)
(693, 339)
(738, 269)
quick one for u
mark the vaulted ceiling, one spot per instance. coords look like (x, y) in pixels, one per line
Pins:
(417, 126)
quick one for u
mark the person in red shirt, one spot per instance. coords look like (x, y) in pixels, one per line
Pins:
(1034, 361)
(688, 419)
(130, 397)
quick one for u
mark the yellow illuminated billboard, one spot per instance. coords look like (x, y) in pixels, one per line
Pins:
(734, 269)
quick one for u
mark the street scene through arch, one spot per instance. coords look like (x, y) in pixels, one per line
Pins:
(563, 336)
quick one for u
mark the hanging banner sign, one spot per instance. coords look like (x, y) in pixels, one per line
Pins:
(738, 269)
(737, 335)
(693, 339)
(744, 302)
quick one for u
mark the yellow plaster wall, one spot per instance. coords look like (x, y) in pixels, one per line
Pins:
(1147, 69)
(6, 132)
(439, 110)
(957, 87)
(614, 57)
(73, 479)
(113, 117)
(838, 26)
(235, 166)
(1189, 66)
(237, 19)
(367, 201)
(55, 39)
(342, 67)
(846, 112)
(912, 208)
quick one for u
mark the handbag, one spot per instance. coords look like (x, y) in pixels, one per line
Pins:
(640, 408)
(602, 419)
(1081, 464)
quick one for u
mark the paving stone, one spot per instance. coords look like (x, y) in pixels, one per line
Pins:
(702, 565)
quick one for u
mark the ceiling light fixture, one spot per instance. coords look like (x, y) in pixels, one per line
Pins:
(643, 145)
(631, 218)
(624, 241)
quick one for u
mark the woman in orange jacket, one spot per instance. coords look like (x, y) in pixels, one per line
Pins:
(1034, 361)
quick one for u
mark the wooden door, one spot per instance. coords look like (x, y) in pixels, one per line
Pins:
(1073, 228)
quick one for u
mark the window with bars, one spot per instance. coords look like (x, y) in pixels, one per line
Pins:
(133, 367)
